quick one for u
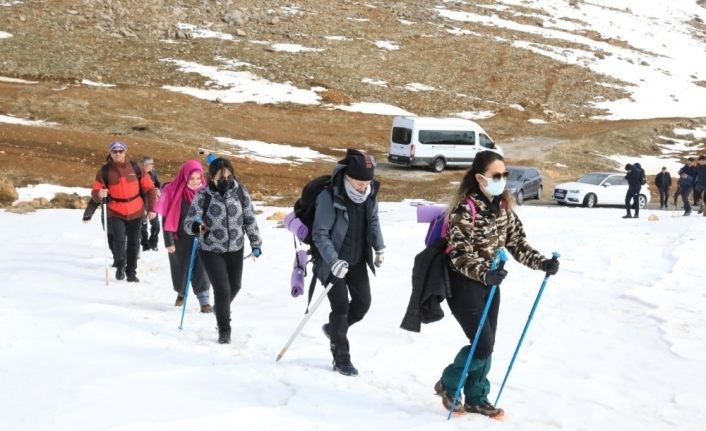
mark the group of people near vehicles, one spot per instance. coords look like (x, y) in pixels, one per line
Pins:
(210, 210)
(691, 181)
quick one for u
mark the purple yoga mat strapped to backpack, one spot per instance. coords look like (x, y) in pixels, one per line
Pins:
(294, 225)
(435, 215)
(298, 273)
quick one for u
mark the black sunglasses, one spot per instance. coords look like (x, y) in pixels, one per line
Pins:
(118, 151)
(498, 177)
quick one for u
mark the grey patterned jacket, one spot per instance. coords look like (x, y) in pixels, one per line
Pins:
(227, 219)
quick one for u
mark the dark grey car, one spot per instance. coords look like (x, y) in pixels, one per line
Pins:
(524, 183)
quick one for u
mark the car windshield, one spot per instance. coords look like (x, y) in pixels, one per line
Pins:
(594, 179)
(515, 174)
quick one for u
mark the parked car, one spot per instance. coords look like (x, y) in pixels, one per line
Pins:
(524, 183)
(597, 188)
(437, 142)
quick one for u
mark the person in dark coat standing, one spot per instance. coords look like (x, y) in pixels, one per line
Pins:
(686, 185)
(700, 183)
(149, 240)
(689, 169)
(634, 176)
(346, 230)
(663, 181)
(173, 205)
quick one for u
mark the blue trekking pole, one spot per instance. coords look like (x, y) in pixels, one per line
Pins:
(555, 256)
(188, 279)
(498, 263)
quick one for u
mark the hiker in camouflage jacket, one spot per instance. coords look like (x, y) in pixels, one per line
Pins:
(474, 236)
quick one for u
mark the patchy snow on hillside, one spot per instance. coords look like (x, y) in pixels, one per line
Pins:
(9, 119)
(273, 153)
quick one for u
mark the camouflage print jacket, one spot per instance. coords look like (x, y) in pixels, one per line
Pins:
(473, 245)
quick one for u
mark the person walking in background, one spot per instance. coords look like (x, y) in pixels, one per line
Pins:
(149, 240)
(124, 182)
(473, 242)
(173, 205)
(635, 176)
(222, 214)
(345, 232)
(690, 169)
(700, 183)
(686, 185)
(663, 181)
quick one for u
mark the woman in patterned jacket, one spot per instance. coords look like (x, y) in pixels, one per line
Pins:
(222, 214)
(473, 244)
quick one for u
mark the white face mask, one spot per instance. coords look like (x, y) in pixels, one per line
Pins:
(495, 188)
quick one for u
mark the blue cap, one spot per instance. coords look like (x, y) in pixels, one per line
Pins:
(210, 158)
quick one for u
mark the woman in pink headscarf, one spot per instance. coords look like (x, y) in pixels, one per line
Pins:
(173, 205)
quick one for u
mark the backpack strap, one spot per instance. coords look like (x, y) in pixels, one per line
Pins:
(135, 167)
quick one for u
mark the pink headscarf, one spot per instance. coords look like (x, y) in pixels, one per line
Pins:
(169, 203)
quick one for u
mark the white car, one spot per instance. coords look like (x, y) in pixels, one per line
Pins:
(597, 188)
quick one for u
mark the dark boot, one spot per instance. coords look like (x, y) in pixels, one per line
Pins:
(179, 301)
(447, 398)
(132, 278)
(224, 336)
(627, 216)
(206, 308)
(345, 367)
(485, 409)
(120, 272)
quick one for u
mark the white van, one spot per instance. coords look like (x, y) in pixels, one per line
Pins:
(437, 142)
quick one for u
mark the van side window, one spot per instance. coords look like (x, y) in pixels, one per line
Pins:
(401, 135)
(446, 137)
(485, 141)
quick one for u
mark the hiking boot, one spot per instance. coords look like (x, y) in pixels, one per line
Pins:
(636, 216)
(206, 308)
(224, 336)
(324, 328)
(345, 368)
(179, 301)
(132, 279)
(120, 273)
(687, 213)
(485, 409)
(447, 398)
(627, 216)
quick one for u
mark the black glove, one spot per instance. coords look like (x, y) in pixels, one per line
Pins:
(550, 266)
(495, 277)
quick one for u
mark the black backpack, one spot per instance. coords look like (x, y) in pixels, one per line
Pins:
(305, 206)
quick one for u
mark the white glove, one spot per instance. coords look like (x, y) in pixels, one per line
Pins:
(339, 269)
(379, 258)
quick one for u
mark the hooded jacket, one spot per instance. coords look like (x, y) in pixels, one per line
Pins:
(331, 224)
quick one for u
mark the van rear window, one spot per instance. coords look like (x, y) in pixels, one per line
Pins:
(401, 135)
(447, 137)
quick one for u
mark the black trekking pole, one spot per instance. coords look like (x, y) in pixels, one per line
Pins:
(104, 214)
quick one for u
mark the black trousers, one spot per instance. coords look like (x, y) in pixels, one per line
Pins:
(344, 313)
(685, 198)
(126, 242)
(150, 240)
(179, 262)
(698, 192)
(225, 271)
(632, 200)
(663, 197)
(467, 304)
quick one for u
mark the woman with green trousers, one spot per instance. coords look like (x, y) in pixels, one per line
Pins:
(473, 243)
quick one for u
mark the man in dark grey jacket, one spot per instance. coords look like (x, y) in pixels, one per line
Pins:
(346, 230)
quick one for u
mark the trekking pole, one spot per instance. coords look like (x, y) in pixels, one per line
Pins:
(104, 214)
(303, 322)
(498, 263)
(188, 279)
(555, 256)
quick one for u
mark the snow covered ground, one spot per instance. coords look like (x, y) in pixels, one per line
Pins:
(617, 341)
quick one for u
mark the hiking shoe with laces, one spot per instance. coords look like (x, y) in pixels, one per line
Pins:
(206, 308)
(447, 398)
(345, 368)
(179, 301)
(485, 409)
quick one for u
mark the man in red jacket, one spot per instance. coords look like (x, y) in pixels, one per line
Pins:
(125, 184)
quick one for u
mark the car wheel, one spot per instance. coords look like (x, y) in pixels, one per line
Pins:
(539, 193)
(438, 164)
(643, 201)
(589, 201)
(520, 198)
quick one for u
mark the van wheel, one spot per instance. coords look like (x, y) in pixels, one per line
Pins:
(438, 164)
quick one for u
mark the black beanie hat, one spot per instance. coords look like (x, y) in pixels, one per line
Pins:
(360, 165)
